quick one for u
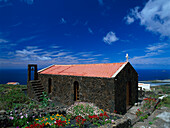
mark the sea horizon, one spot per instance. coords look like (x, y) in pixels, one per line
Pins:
(20, 75)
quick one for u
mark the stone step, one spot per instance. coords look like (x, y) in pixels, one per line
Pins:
(35, 81)
(38, 87)
(38, 93)
(36, 84)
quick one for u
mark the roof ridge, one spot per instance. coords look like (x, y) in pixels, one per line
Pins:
(89, 64)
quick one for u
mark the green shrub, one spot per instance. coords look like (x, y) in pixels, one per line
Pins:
(11, 96)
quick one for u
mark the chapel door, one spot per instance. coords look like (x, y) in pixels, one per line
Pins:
(127, 94)
(76, 91)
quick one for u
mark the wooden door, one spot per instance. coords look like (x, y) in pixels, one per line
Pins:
(127, 94)
(76, 91)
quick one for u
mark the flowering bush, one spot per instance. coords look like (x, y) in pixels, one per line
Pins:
(94, 118)
(80, 121)
(35, 125)
(148, 103)
(18, 119)
(57, 119)
(59, 123)
(83, 109)
(139, 112)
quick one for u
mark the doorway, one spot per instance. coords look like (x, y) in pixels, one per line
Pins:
(32, 72)
(127, 95)
(49, 85)
(76, 91)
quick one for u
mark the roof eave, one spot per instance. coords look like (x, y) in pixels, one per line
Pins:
(45, 68)
(117, 72)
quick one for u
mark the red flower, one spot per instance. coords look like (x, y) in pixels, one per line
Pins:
(83, 120)
(106, 115)
(115, 111)
(101, 114)
(36, 125)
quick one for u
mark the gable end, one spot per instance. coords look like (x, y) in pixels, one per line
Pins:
(120, 69)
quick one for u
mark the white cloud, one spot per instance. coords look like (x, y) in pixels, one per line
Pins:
(24, 52)
(90, 30)
(60, 54)
(3, 41)
(44, 58)
(100, 2)
(156, 47)
(159, 61)
(55, 46)
(31, 53)
(154, 16)
(26, 39)
(150, 52)
(63, 21)
(32, 47)
(110, 38)
(129, 19)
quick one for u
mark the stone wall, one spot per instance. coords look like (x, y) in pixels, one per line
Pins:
(91, 89)
(128, 74)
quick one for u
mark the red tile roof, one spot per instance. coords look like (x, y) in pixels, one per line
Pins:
(90, 70)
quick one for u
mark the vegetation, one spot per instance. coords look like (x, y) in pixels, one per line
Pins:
(14, 101)
(11, 96)
(165, 89)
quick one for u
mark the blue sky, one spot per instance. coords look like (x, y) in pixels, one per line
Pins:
(84, 31)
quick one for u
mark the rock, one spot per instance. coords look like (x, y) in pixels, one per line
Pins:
(2, 112)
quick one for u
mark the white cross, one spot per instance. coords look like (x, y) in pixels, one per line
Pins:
(127, 57)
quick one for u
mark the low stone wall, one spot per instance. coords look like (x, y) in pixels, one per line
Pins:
(148, 112)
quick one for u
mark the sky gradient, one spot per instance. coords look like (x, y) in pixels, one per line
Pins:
(49, 32)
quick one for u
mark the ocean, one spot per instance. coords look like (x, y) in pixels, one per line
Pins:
(20, 75)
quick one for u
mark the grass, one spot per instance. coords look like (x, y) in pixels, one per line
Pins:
(12, 95)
